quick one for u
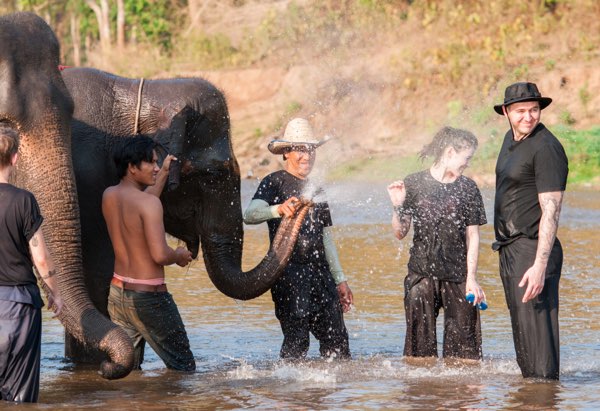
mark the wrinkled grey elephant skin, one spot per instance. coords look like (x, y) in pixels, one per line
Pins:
(34, 100)
(188, 118)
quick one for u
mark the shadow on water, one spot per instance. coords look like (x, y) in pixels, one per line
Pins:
(236, 344)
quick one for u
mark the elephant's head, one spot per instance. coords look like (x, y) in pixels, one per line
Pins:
(188, 117)
(34, 99)
(205, 207)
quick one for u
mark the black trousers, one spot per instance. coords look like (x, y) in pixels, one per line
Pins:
(535, 323)
(306, 301)
(328, 328)
(20, 346)
(423, 298)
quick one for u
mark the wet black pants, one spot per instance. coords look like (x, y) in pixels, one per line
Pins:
(20, 346)
(423, 298)
(535, 323)
(326, 325)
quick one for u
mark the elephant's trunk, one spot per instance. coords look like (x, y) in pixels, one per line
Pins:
(34, 99)
(227, 275)
(55, 191)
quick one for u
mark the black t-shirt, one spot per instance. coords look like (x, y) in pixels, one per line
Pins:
(20, 218)
(441, 213)
(276, 188)
(537, 164)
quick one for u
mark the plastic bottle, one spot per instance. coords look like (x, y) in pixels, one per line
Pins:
(470, 297)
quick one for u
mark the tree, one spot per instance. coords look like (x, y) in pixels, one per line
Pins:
(102, 12)
(120, 24)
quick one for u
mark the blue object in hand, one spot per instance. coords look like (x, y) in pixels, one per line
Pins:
(470, 297)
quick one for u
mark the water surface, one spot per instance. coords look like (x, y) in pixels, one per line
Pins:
(236, 344)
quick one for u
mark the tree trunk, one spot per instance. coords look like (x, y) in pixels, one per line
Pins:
(102, 12)
(41, 108)
(120, 24)
(76, 39)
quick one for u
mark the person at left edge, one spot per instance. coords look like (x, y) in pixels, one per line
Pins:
(22, 246)
(312, 293)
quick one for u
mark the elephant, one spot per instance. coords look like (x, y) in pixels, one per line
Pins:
(35, 101)
(186, 117)
(68, 125)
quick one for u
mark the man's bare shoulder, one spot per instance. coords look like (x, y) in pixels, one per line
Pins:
(130, 196)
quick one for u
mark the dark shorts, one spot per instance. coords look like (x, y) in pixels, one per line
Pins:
(20, 342)
(152, 317)
(423, 298)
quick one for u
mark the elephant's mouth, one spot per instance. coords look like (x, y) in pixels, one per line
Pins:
(187, 168)
(193, 246)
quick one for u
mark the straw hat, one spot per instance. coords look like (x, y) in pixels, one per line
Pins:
(298, 133)
(522, 92)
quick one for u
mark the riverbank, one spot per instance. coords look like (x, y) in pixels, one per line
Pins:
(381, 77)
(582, 148)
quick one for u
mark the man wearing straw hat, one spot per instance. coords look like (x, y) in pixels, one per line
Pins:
(312, 293)
(531, 177)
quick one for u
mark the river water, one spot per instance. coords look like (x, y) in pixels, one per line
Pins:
(236, 344)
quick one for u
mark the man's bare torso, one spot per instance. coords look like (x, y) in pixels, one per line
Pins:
(134, 221)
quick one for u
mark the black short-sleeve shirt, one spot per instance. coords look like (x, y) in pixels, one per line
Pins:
(276, 188)
(440, 214)
(537, 164)
(20, 218)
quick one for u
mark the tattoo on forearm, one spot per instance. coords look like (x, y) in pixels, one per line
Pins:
(550, 205)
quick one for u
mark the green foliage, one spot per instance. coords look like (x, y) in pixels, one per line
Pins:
(582, 149)
(567, 118)
(520, 72)
(455, 111)
(585, 96)
(583, 152)
(292, 108)
(157, 19)
(208, 52)
(484, 160)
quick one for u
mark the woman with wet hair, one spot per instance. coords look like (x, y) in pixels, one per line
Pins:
(446, 209)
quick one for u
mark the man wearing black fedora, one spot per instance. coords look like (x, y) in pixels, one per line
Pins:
(531, 177)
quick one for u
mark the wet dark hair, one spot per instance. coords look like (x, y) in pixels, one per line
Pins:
(456, 138)
(133, 151)
(9, 143)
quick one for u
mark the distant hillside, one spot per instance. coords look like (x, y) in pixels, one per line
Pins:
(380, 76)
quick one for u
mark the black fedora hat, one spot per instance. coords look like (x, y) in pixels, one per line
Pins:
(522, 92)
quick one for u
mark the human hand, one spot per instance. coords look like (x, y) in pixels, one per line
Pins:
(183, 256)
(473, 287)
(55, 303)
(166, 165)
(346, 296)
(397, 193)
(288, 207)
(534, 278)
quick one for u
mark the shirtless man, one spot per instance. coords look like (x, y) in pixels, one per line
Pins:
(138, 300)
